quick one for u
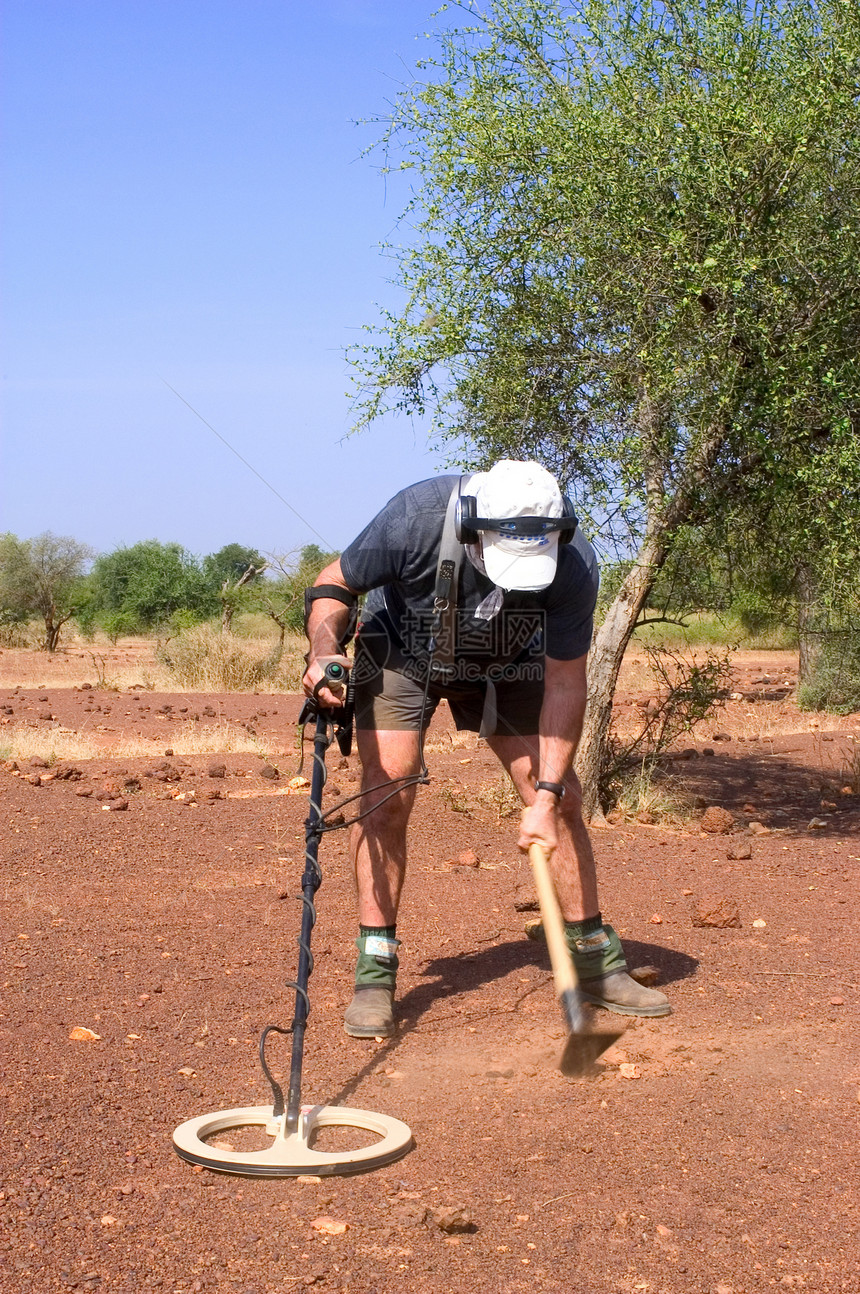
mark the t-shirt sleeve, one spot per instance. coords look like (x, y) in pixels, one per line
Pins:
(378, 555)
(400, 544)
(573, 597)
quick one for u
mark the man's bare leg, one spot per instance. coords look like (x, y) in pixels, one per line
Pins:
(575, 877)
(378, 844)
(378, 841)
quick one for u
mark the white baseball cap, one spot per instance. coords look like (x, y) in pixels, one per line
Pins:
(513, 489)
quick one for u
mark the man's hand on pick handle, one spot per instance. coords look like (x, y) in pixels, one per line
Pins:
(538, 823)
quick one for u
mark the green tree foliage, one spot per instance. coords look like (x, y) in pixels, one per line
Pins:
(634, 248)
(232, 563)
(151, 582)
(43, 577)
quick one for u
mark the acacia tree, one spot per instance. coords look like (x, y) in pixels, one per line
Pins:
(43, 577)
(633, 249)
(232, 571)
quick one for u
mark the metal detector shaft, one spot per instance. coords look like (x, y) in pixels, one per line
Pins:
(310, 884)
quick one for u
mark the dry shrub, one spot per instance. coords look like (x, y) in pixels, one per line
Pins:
(647, 794)
(685, 690)
(17, 634)
(851, 767)
(206, 661)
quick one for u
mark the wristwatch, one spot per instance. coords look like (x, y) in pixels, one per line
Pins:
(557, 788)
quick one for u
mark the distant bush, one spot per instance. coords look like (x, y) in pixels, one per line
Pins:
(834, 682)
(206, 661)
(15, 632)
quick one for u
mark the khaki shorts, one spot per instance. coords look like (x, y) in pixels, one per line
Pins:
(505, 700)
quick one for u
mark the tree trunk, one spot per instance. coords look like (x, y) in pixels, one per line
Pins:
(604, 662)
(809, 642)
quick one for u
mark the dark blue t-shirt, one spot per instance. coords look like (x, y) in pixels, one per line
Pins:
(394, 561)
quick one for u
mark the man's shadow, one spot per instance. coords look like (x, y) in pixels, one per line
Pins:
(465, 972)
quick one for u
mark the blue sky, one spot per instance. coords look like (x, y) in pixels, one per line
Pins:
(185, 203)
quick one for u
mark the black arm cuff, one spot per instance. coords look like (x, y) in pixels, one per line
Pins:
(336, 593)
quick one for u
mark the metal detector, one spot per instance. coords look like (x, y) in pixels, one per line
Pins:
(291, 1125)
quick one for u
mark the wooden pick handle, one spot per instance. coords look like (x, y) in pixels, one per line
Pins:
(563, 970)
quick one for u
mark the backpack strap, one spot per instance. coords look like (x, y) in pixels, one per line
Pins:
(451, 553)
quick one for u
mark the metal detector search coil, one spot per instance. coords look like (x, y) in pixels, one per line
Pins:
(291, 1125)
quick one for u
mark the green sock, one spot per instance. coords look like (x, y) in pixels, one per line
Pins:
(595, 946)
(377, 957)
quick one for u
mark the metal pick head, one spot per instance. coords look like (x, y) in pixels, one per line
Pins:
(583, 1049)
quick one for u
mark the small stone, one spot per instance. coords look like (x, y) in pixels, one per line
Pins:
(717, 914)
(717, 821)
(82, 1034)
(816, 824)
(271, 774)
(709, 752)
(169, 751)
(758, 924)
(837, 1001)
(468, 858)
(457, 1221)
(742, 850)
(217, 770)
(38, 762)
(329, 1226)
(645, 975)
(656, 920)
(720, 736)
(628, 1070)
(759, 829)
(116, 806)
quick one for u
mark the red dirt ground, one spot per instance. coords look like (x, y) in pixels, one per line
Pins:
(713, 1152)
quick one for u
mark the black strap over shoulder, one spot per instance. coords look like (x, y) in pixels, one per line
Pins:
(451, 553)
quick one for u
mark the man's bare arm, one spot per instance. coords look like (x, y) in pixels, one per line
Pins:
(327, 625)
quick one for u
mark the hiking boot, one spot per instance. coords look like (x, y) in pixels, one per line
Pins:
(370, 1014)
(617, 992)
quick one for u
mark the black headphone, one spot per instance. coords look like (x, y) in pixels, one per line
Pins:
(467, 523)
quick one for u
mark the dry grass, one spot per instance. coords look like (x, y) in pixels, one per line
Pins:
(452, 740)
(63, 744)
(131, 663)
(493, 801)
